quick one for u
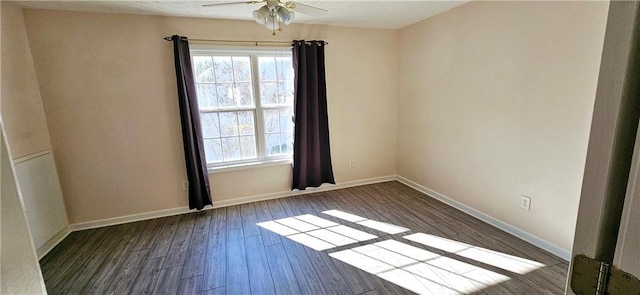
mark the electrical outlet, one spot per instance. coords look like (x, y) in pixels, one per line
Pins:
(352, 163)
(525, 203)
(185, 185)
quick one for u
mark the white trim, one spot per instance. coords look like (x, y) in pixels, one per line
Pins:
(204, 49)
(250, 165)
(224, 203)
(31, 156)
(322, 188)
(54, 241)
(510, 229)
(128, 218)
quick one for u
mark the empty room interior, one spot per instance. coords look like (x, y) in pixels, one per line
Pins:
(313, 147)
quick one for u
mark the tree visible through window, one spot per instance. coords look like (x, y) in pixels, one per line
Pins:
(246, 105)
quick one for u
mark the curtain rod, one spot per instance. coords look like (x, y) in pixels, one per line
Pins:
(168, 38)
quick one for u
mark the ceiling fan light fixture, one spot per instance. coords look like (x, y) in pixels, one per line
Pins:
(275, 12)
(271, 23)
(262, 15)
(286, 15)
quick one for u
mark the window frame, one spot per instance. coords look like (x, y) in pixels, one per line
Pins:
(262, 158)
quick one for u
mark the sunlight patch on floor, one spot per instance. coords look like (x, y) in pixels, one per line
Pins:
(418, 270)
(377, 225)
(344, 215)
(335, 238)
(315, 232)
(504, 261)
(311, 242)
(352, 233)
(405, 265)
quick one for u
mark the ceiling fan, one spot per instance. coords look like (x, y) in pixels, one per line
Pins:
(274, 13)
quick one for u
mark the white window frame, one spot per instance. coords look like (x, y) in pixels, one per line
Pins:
(262, 159)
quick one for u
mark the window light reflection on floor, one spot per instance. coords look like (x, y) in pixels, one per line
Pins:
(335, 238)
(344, 215)
(311, 242)
(315, 232)
(297, 224)
(352, 233)
(417, 269)
(504, 261)
(377, 225)
(408, 266)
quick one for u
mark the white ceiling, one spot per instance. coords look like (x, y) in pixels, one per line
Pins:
(392, 14)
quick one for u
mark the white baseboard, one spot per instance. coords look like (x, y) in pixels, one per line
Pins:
(51, 243)
(224, 203)
(128, 218)
(510, 229)
(322, 188)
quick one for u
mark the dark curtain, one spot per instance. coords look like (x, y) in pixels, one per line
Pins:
(311, 153)
(197, 175)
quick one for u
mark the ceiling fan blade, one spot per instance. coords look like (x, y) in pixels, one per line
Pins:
(306, 9)
(231, 3)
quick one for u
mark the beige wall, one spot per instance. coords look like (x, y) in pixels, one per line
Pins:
(21, 102)
(496, 102)
(27, 133)
(485, 102)
(108, 87)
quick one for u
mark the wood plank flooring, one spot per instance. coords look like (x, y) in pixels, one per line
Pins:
(224, 251)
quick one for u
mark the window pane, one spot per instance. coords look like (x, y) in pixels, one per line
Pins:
(273, 144)
(231, 148)
(228, 124)
(207, 96)
(210, 125)
(213, 150)
(245, 119)
(286, 120)
(287, 140)
(285, 69)
(242, 69)
(247, 147)
(290, 141)
(285, 93)
(267, 68)
(271, 122)
(243, 94)
(203, 68)
(223, 71)
(226, 98)
(268, 94)
(225, 95)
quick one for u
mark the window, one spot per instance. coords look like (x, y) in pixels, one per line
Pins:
(246, 105)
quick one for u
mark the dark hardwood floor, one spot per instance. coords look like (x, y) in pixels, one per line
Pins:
(225, 251)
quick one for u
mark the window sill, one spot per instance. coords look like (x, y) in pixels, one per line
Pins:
(250, 165)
